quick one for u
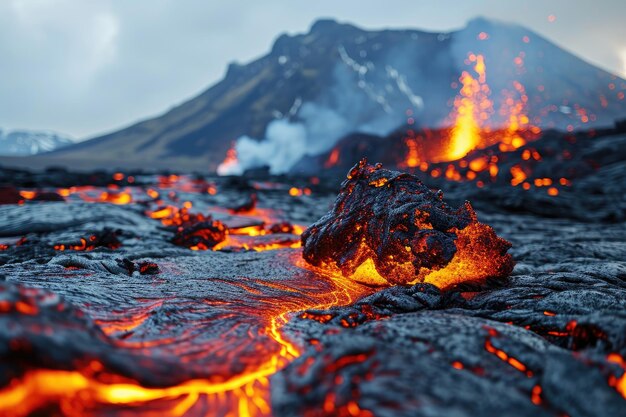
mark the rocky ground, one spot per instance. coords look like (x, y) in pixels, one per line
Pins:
(102, 314)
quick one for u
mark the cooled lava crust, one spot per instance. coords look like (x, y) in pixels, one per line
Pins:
(406, 230)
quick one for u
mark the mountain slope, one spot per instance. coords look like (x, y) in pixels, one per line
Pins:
(338, 79)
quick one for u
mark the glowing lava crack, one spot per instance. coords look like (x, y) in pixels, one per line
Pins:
(386, 227)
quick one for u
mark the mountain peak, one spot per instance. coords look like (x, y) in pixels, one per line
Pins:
(323, 25)
(330, 26)
(484, 24)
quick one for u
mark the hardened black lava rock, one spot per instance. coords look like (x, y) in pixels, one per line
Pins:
(405, 228)
(204, 235)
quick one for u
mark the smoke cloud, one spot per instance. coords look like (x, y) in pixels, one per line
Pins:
(351, 105)
(286, 141)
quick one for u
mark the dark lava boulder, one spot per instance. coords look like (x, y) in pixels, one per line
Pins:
(388, 227)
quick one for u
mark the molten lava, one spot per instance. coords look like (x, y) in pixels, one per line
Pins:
(229, 163)
(333, 158)
(472, 108)
(94, 387)
(263, 229)
(386, 227)
(475, 126)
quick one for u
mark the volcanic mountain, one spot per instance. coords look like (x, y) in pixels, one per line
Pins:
(312, 89)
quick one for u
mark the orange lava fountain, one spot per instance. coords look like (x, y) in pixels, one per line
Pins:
(472, 108)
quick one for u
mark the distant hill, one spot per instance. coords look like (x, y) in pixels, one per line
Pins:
(312, 89)
(27, 142)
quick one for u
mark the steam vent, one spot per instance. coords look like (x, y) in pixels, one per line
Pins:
(386, 227)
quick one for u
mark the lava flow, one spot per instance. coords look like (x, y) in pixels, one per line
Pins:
(87, 387)
(242, 391)
(83, 391)
(135, 309)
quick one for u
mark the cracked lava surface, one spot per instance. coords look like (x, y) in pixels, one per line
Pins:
(182, 296)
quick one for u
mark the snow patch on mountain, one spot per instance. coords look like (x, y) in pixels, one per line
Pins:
(26, 142)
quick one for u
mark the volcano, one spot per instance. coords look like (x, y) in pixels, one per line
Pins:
(312, 89)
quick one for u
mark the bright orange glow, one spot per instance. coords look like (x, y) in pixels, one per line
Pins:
(618, 383)
(229, 162)
(479, 164)
(535, 396)
(502, 355)
(366, 273)
(29, 195)
(412, 156)
(472, 262)
(471, 107)
(240, 241)
(518, 174)
(116, 198)
(333, 158)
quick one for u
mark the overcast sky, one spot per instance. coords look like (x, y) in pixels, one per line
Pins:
(84, 67)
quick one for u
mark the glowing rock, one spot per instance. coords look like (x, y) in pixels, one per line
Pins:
(200, 236)
(386, 227)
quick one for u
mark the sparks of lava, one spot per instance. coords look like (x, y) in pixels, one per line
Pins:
(473, 125)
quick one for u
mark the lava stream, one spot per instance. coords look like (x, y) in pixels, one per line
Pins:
(80, 392)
